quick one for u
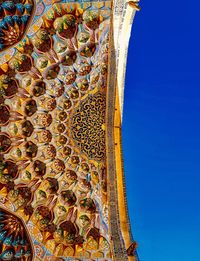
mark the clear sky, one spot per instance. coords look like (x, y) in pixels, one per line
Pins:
(161, 130)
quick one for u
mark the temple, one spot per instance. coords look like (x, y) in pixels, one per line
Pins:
(62, 189)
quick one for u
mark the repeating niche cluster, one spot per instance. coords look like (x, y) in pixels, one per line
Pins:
(49, 174)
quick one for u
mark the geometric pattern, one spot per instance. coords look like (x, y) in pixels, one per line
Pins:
(53, 86)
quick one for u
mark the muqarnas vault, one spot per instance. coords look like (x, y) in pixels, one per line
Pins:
(62, 67)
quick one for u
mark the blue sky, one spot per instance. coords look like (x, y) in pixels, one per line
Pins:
(161, 130)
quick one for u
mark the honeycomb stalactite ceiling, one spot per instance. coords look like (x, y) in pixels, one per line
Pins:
(53, 106)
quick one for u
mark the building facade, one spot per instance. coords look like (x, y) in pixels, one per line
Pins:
(62, 190)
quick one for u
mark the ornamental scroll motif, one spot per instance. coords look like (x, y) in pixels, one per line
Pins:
(88, 126)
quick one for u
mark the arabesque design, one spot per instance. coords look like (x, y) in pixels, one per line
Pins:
(88, 126)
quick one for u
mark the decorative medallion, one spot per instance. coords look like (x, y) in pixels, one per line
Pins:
(88, 126)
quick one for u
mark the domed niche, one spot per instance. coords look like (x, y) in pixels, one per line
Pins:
(14, 238)
(15, 19)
